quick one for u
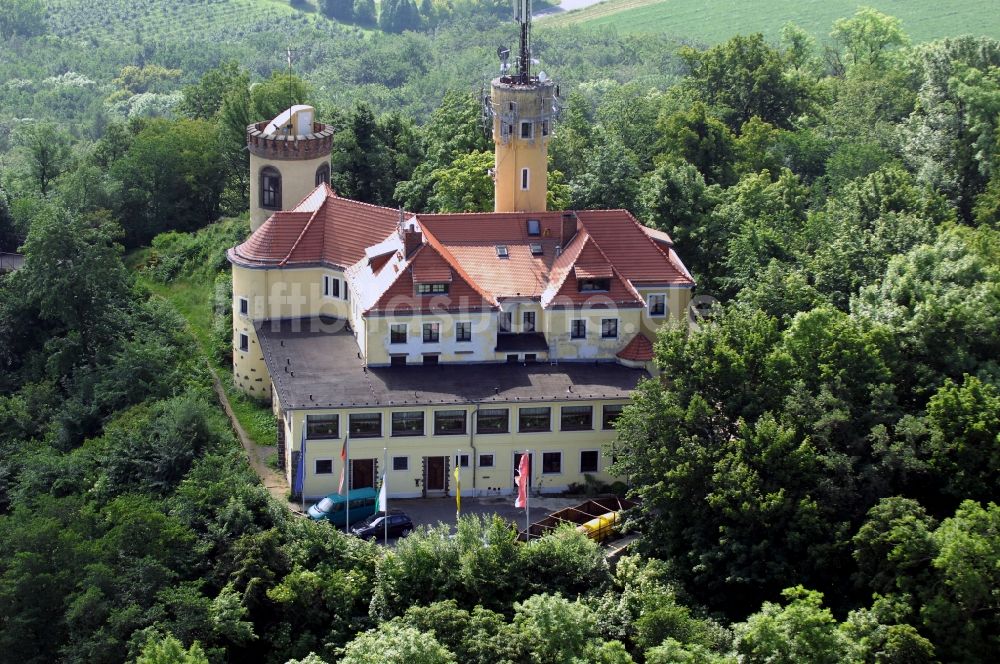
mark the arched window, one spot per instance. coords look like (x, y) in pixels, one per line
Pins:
(323, 174)
(270, 188)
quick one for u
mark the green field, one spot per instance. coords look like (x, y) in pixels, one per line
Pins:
(713, 21)
(156, 19)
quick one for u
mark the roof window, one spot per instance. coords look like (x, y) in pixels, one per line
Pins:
(502, 251)
(534, 227)
(536, 249)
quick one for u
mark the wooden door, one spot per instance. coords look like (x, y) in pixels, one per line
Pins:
(362, 473)
(435, 473)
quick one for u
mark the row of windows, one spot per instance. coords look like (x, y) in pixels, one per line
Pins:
(398, 332)
(454, 422)
(552, 462)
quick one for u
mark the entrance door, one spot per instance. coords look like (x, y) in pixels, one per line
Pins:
(362, 473)
(434, 474)
(517, 464)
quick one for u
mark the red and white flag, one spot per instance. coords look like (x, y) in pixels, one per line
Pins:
(523, 469)
(343, 466)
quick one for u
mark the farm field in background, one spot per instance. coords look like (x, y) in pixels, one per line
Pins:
(713, 21)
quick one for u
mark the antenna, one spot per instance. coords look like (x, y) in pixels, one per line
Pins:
(288, 51)
(523, 16)
(503, 53)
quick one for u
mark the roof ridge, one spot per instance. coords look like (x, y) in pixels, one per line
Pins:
(302, 234)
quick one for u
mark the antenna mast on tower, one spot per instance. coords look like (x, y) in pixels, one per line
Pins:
(523, 16)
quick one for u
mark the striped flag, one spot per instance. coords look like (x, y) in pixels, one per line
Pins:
(343, 465)
(383, 497)
(523, 469)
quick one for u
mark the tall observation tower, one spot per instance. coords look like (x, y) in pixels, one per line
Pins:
(522, 107)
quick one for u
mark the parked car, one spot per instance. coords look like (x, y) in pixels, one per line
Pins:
(333, 508)
(374, 527)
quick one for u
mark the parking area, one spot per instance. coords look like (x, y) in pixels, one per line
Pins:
(431, 511)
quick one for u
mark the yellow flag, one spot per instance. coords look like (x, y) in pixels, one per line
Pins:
(458, 493)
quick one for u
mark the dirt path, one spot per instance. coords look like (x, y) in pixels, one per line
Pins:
(257, 455)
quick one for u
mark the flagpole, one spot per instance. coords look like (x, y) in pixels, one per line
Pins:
(385, 508)
(458, 485)
(303, 451)
(347, 496)
(527, 500)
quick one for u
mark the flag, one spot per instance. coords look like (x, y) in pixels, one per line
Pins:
(383, 496)
(300, 472)
(522, 481)
(458, 492)
(343, 465)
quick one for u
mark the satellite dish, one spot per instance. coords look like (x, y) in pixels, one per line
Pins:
(542, 76)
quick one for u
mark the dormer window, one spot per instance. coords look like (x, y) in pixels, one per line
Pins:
(432, 289)
(502, 251)
(534, 227)
(590, 285)
(536, 249)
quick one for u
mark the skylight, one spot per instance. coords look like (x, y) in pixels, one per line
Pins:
(536, 249)
(534, 227)
(502, 251)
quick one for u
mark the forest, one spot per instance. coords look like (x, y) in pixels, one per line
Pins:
(818, 463)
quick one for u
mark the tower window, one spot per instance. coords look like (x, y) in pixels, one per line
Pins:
(244, 306)
(524, 178)
(323, 175)
(270, 188)
(534, 226)
(545, 127)
(527, 130)
(244, 343)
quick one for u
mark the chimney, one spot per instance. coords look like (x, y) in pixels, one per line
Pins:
(568, 229)
(412, 239)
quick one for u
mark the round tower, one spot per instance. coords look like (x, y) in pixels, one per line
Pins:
(523, 108)
(289, 157)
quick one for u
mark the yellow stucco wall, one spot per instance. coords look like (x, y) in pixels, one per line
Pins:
(494, 480)
(532, 104)
(593, 346)
(298, 178)
(274, 294)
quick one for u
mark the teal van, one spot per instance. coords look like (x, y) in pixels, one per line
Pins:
(333, 508)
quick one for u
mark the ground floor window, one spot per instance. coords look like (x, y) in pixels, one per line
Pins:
(462, 460)
(588, 461)
(551, 463)
(485, 460)
(400, 463)
(324, 466)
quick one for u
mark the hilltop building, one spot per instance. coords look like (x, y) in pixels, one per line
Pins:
(445, 340)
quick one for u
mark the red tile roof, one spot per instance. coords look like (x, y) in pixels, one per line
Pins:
(639, 349)
(322, 228)
(631, 250)
(461, 249)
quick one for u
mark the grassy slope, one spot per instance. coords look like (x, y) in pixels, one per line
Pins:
(191, 296)
(713, 21)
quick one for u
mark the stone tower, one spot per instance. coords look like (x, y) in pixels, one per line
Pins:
(523, 108)
(289, 157)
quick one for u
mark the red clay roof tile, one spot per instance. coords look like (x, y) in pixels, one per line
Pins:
(639, 349)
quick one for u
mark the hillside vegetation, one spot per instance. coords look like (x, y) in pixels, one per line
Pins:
(713, 21)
